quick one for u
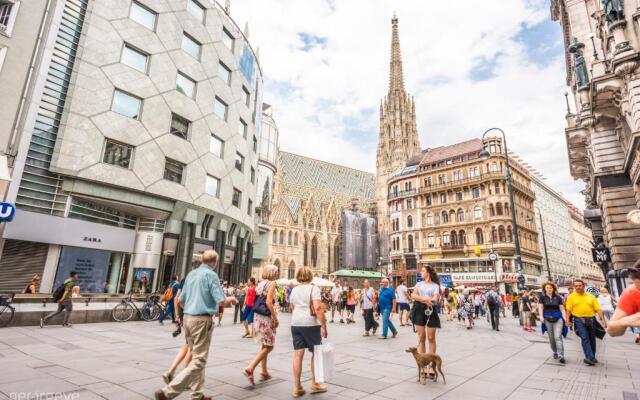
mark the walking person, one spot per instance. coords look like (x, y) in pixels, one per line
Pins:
(627, 314)
(247, 308)
(240, 294)
(200, 297)
(515, 305)
(308, 327)
(184, 355)
(426, 295)
(607, 303)
(467, 308)
(402, 297)
(493, 303)
(65, 304)
(351, 305)
(169, 297)
(336, 301)
(368, 305)
(525, 309)
(452, 304)
(387, 303)
(552, 316)
(266, 322)
(583, 307)
(343, 301)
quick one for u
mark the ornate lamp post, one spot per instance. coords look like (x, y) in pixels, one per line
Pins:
(484, 154)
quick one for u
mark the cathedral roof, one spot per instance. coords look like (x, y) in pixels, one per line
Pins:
(446, 152)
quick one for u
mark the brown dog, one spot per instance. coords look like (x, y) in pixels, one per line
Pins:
(425, 360)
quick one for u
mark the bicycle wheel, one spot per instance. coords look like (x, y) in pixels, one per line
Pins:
(122, 312)
(6, 315)
(151, 311)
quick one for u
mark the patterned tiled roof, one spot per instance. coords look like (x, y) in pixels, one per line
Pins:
(320, 175)
(446, 152)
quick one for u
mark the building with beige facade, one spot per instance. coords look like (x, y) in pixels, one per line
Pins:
(139, 147)
(603, 119)
(449, 209)
(582, 237)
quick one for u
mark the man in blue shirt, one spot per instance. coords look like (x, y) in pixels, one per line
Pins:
(200, 297)
(387, 303)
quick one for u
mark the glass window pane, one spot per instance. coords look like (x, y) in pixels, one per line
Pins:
(134, 59)
(126, 104)
(196, 10)
(242, 129)
(220, 108)
(117, 154)
(250, 207)
(179, 126)
(224, 73)
(237, 198)
(191, 46)
(173, 170)
(255, 144)
(213, 186)
(227, 39)
(239, 162)
(247, 96)
(143, 15)
(216, 146)
(185, 85)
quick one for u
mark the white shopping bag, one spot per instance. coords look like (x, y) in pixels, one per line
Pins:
(323, 362)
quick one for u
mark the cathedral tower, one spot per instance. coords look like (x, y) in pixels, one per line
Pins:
(398, 140)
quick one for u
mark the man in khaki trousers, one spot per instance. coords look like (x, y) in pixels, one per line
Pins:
(200, 297)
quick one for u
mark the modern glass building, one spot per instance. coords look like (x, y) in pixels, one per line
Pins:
(139, 148)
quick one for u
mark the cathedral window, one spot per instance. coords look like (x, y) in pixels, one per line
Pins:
(290, 239)
(275, 237)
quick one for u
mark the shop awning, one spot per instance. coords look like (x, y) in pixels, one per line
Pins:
(351, 273)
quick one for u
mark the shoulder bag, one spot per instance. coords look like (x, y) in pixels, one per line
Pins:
(260, 303)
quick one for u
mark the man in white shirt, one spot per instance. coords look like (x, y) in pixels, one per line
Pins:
(368, 304)
(403, 303)
(336, 301)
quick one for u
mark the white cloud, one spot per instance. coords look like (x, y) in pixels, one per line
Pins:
(333, 91)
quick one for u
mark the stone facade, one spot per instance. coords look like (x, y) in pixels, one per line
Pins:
(309, 197)
(398, 139)
(450, 208)
(602, 133)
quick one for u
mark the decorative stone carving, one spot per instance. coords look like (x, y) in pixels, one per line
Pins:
(579, 65)
(613, 9)
(616, 28)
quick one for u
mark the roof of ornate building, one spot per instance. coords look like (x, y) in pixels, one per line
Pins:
(303, 178)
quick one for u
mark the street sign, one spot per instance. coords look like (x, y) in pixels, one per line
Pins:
(493, 256)
(7, 211)
(601, 255)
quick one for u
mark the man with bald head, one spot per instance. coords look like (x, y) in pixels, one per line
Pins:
(387, 303)
(200, 298)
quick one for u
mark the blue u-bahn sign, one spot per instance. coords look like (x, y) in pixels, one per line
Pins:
(7, 211)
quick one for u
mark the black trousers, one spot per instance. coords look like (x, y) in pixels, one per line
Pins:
(369, 321)
(236, 312)
(495, 316)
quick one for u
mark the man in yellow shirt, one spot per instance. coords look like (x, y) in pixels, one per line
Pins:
(583, 307)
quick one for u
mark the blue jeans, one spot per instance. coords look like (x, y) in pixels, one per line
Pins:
(386, 322)
(586, 329)
(168, 311)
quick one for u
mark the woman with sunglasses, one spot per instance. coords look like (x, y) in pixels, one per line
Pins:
(424, 316)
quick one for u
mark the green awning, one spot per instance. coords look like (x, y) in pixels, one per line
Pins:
(350, 273)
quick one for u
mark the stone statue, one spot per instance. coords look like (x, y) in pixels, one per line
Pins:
(579, 66)
(613, 10)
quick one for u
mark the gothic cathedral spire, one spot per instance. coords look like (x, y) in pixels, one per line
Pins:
(398, 139)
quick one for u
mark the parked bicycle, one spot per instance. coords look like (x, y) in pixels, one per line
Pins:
(6, 309)
(150, 310)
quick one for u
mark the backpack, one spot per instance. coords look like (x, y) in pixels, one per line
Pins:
(168, 294)
(57, 294)
(344, 295)
(491, 300)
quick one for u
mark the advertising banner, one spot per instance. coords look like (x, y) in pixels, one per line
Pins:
(91, 265)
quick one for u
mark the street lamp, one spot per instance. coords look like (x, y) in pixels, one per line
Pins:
(484, 154)
(544, 242)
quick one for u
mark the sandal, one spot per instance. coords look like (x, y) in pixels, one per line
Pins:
(318, 388)
(299, 392)
(265, 376)
(249, 375)
(367, 334)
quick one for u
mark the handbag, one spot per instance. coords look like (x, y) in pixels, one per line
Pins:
(260, 303)
(312, 310)
(323, 362)
(600, 331)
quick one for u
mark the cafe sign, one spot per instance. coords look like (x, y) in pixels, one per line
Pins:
(481, 277)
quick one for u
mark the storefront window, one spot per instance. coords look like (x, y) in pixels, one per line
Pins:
(98, 270)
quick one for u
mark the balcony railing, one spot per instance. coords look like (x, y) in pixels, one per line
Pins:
(402, 193)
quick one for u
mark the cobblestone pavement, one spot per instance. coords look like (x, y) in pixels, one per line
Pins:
(123, 361)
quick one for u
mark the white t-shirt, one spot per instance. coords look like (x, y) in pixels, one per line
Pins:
(427, 290)
(336, 294)
(605, 303)
(367, 298)
(299, 298)
(401, 294)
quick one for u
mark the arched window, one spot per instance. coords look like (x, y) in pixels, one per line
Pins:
(445, 217)
(409, 221)
(429, 219)
(479, 236)
(460, 215)
(305, 251)
(290, 238)
(295, 239)
(275, 237)
(292, 270)
(277, 264)
(509, 234)
(445, 239)
(502, 237)
(506, 209)
(462, 238)
(336, 254)
(281, 240)
(494, 235)
(499, 208)
(410, 242)
(431, 240)
(492, 212)
(314, 252)
(454, 238)
(477, 212)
